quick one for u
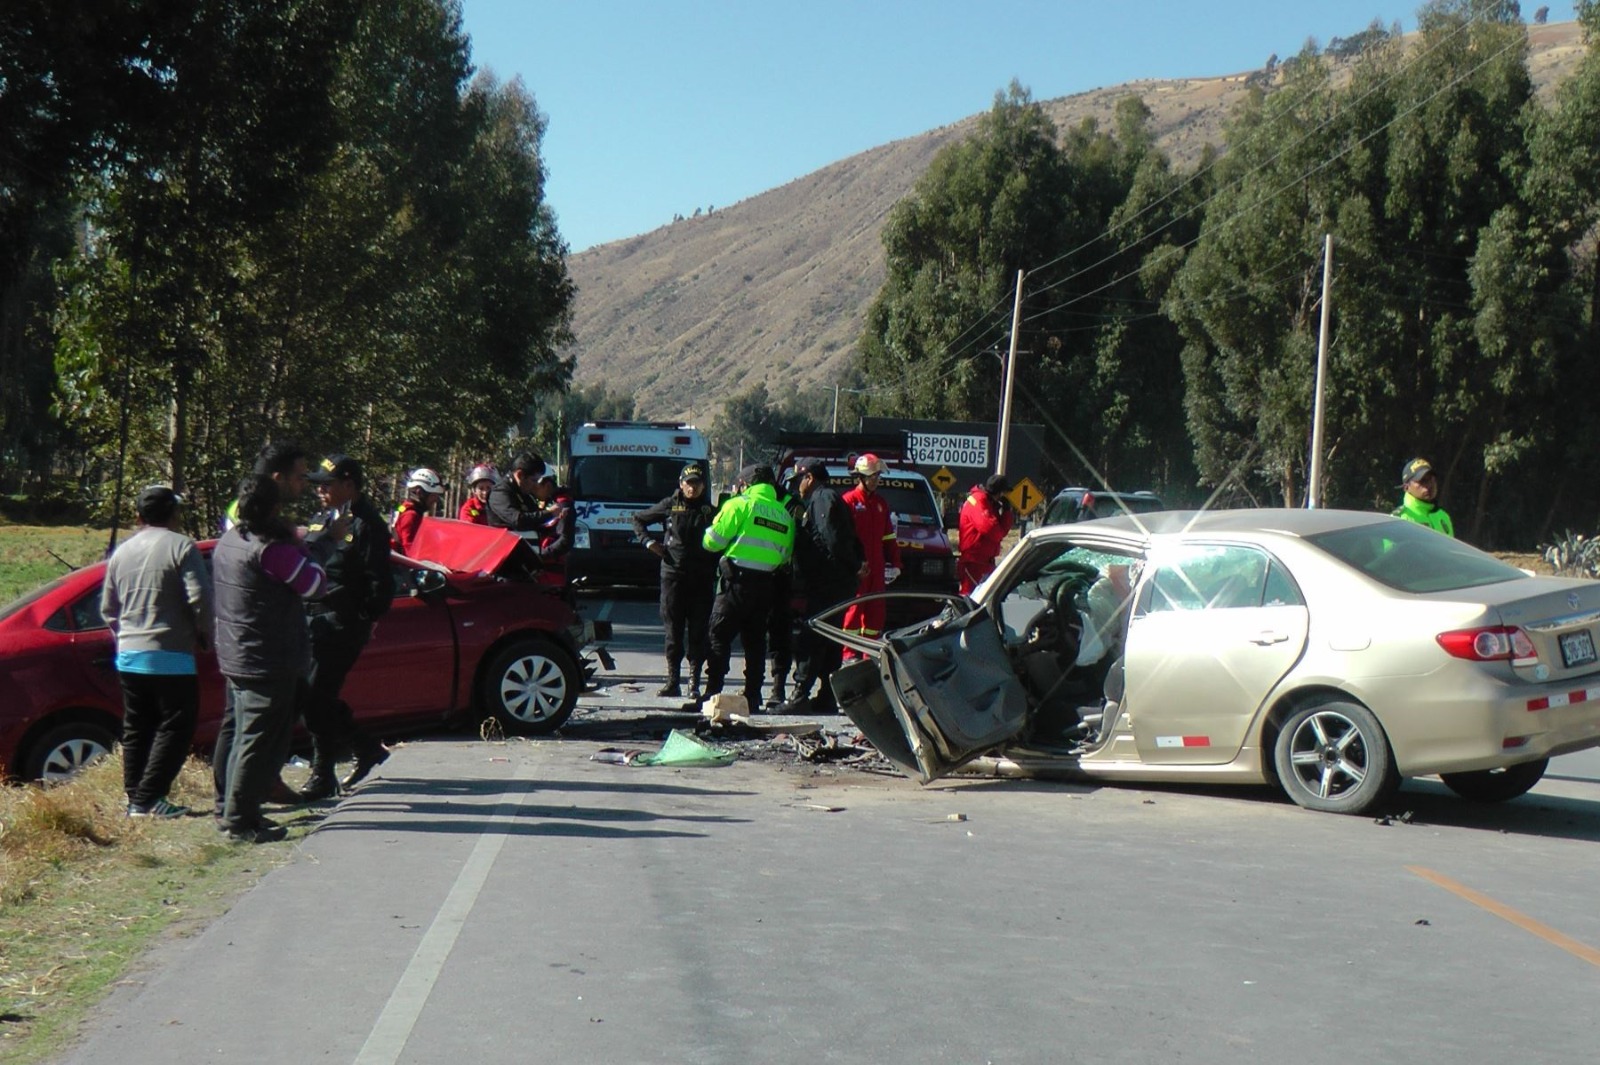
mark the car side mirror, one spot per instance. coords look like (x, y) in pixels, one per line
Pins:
(429, 583)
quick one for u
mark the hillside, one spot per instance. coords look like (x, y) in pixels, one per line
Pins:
(774, 288)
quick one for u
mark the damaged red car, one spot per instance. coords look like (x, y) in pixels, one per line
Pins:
(466, 638)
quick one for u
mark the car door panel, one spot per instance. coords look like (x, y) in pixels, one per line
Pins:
(407, 671)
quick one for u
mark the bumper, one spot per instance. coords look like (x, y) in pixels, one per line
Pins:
(1492, 724)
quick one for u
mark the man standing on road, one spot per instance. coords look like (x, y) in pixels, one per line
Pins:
(157, 602)
(875, 530)
(755, 536)
(360, 588)
(1419, 503)
(986, 518)
(688, 575)
(261, 572)
(827, 565)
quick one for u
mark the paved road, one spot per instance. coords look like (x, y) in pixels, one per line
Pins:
(517, 902)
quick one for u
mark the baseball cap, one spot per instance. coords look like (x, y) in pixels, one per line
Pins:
(692, 472)
(336, 468)
(1414, 470)
(156, 503)
(817, 469)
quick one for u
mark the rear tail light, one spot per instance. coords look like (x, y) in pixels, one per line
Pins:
(1494, 644)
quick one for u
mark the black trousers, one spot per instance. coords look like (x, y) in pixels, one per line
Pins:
(686, 615)
(336, 643)
(780, 626)
(819, 658)
(741, 609)
(158, 717)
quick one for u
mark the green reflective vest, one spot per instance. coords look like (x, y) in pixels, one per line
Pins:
(1430, 514)
(753, 530)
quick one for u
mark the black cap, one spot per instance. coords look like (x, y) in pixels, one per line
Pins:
(336, 468)
(757, 474)
(817, 469)
(156, 504)
(693, 472)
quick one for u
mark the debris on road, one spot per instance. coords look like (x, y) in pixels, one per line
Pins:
(682, 749)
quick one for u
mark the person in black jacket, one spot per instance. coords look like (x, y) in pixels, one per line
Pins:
(827, 564)
(688, 575)
(360, 588)
(512, 503)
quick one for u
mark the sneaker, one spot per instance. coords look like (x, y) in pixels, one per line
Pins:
(159, 808)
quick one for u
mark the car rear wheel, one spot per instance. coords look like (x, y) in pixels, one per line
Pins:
(1496, 785)
(1334, 757)
(531, 687)
(61, 753)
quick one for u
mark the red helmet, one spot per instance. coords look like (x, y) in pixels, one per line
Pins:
(868, 464)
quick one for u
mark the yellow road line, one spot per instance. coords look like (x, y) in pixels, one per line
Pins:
(1506, 913)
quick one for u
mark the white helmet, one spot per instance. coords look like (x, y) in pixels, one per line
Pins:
(868, 464)
(427, 480)
(481, 473)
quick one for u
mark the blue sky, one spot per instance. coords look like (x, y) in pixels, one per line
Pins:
(658, 108)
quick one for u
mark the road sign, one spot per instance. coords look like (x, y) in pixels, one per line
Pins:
(942, 478)
(1025, 496)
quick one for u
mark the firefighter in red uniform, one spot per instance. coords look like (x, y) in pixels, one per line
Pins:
(424, 489)
(875, 530)
(475, 508)
(986, 517)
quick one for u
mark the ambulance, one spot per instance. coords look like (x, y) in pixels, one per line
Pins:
(614, 469)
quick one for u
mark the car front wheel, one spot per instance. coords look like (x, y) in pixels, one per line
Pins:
(1496, 785)
(61, 753)
(531, 687)
(1334, 757)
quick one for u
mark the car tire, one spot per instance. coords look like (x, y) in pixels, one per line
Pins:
(1333, 756)
(531, 687)
(61, 753)
(1496, 785)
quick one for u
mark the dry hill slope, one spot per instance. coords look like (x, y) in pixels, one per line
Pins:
(774, 288)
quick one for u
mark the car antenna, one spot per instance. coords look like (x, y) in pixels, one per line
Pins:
(70, 567)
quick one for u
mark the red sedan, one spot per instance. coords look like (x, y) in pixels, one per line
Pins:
(459, 643)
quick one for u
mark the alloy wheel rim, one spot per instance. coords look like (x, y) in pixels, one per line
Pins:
(68, 759)
(1329, 755)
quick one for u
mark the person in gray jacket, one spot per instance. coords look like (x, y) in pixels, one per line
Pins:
(157, 602)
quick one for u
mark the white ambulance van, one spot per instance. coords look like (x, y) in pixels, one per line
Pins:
(614, 469)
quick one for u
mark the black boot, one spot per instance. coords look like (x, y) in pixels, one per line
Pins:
(371, 755)
(780, 694)
(321, 784)
(694, 680)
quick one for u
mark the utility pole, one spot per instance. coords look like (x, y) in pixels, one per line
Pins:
(835, 409)
(1011, 379)
(1314, 481)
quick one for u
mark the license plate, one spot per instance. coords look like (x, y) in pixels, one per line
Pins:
(1577, 649)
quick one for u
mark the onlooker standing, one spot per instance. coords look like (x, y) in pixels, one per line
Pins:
(1419, 503)
(755, 536)
(424, 489)
(157, 602)
(688, 575)
(787, 604)
(475, 508)
(557, 530)
(512, 504)
(875, 530)
(360, 589)
(827, 563)
(986, 518)
(261, 572)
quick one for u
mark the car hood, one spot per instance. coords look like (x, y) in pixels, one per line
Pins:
(462, 546)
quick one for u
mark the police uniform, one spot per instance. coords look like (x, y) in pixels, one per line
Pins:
(688, 579)
(755, 536)
(360, 588)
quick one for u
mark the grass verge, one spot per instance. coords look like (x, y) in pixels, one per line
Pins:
(85, 890)
(27, 555)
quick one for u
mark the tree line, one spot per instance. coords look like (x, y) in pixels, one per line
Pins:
(1170, 315)
(226, 221)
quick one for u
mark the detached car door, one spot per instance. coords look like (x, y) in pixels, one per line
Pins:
(1214, 629)
(936, 699)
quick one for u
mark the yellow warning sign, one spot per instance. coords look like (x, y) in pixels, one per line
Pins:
(1025, 496)
(943, 479)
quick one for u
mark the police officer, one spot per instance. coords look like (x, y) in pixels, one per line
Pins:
(360, 587)
(787, 603)
(688, 575)
(755, 536)
(827, 563)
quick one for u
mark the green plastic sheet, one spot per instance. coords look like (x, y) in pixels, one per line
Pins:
(687, 749)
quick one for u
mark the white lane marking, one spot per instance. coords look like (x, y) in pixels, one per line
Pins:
(394, 1025)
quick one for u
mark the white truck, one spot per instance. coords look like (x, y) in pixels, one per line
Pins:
(614, 469)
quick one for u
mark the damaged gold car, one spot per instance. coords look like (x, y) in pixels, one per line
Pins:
(1331, 653)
